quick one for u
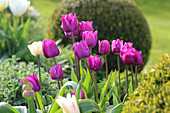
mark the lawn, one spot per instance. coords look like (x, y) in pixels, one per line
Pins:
(157, 13)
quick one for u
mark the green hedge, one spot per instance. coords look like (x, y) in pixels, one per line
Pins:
(112, 18)
(152, 94)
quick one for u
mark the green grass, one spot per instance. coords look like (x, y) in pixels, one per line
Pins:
(157, 13)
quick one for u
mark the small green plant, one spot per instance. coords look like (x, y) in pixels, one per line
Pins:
(11, 73)
(152, 94)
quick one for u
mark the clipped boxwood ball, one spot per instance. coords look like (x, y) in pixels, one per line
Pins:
(152, 93)
(112, 18)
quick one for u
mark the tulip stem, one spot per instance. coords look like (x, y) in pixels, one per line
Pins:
(90, 50)
(89, 71)
(106, 66)
(95, 88)
(127, 80)
(73, 40)
(59, 84)
(37, 101)
(39, 72)
(54, 61)
(79, 75)
(136, 71)
(132, 77)
(31, 106)
(119, 74)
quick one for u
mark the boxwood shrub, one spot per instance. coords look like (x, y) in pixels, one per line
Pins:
(152, 94)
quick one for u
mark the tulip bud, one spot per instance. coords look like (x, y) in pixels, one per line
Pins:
(36, 48)
(85, 26)
(69, 23)
(3, 4)
(90, 38)
(94, 63)
(116, 46)
(81, 50)
(50, 49)
(56, 72)
(18, 7)
(104, 47)
(82, 93)
(34, 81)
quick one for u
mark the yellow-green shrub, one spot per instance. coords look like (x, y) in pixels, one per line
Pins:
(153, 92)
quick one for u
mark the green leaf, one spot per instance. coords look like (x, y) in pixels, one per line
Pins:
(21, 109)
(6, 108)
(88, 105)
(87, 82)
(78, 94)
(59, 111)
(91, 91)
(130, 90)
(115, 109)
(104, 90)
(73, 76)
(39, 100)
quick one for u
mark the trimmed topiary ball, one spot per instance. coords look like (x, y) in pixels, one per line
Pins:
(112, 18)
(152, 94)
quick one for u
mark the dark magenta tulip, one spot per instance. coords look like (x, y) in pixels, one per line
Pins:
(85, 26)
(104, 47)
(56, 72)
(81, 50)
(94, 63)
(82, 93)
(69, 23)
(132, 57)
(116, 46)
(90, 38)
(50, 49)
(34, 81)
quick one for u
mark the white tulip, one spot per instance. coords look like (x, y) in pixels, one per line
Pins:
(18, 7)
(36, 48)
(3, 4)
(68, 104)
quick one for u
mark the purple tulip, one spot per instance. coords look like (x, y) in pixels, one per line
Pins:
(56, 72)
(69, 23)
(81, 50)
(132, 57)
(50, 49)
(76, 34)
(85, 26)
(116, 46)
(104, 47)
(82, 93)
(90, 38)
(34, 81)
(138, 58)
(94, 63)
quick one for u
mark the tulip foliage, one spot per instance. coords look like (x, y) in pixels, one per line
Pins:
(13, 28)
